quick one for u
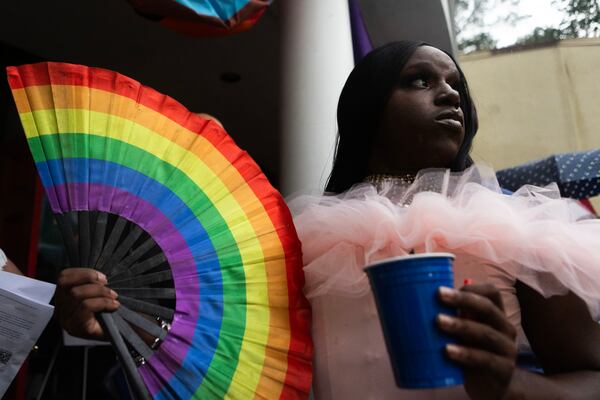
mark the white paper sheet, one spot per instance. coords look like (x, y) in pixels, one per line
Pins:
(24, 313)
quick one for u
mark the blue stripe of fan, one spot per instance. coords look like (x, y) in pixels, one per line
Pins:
(210, 313)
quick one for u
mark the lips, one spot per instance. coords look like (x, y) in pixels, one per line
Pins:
(452, 119)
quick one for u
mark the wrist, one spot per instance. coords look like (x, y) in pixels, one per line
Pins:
(533, 386)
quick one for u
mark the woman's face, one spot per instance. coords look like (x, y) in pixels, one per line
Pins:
(422, 125)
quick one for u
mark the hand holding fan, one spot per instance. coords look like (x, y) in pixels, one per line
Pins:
(185, 226)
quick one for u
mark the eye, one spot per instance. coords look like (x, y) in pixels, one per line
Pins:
(454, 81)
(454, 85)
(419, 83)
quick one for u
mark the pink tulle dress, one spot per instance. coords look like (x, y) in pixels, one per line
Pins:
(549, 243)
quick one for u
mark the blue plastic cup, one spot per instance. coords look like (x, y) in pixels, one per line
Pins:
(406, 293)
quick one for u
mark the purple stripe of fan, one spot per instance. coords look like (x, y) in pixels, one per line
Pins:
(172, 351)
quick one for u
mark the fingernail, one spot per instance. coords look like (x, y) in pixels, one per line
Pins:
(447, 293)
(113, 294)
(468, 281)
(445, 320)
(102, 277)
(117, 304)
(452, 349)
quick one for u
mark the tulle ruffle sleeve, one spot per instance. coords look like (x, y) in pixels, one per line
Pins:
(549, 243)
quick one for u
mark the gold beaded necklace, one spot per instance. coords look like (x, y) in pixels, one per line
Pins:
(379, 179)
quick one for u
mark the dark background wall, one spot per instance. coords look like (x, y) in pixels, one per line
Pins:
(18, 178)
(109, 34)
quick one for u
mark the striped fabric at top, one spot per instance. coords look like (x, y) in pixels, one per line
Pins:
(224, 10)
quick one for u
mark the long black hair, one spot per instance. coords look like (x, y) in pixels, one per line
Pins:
(362, 102)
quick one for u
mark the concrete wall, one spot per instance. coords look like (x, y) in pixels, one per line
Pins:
(535, 102)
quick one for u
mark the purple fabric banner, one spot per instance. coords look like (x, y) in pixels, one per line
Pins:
(361, 43)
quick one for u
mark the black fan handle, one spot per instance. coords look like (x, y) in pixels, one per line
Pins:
(105, 319)
(133, 376)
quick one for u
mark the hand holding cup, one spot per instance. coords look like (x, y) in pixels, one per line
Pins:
(487, 349)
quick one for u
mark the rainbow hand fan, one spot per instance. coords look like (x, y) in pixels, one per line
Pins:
(185, 226)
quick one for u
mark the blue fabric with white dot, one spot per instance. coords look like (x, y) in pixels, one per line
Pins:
(577, 174)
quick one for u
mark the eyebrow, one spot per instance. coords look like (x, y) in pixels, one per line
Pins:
(427, 65)
(420, 64)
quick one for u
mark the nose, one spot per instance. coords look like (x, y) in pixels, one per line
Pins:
(448, 96)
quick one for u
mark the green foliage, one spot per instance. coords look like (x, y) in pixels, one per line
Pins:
(469, 13)
(481, 41)
(474, 13)
(542, 35)
(582, 18)
(473, 16)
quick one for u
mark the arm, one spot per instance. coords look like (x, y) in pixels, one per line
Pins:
(560, 330)
(7, 265)
(11, 267)
(567, 386)
(566, 340)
